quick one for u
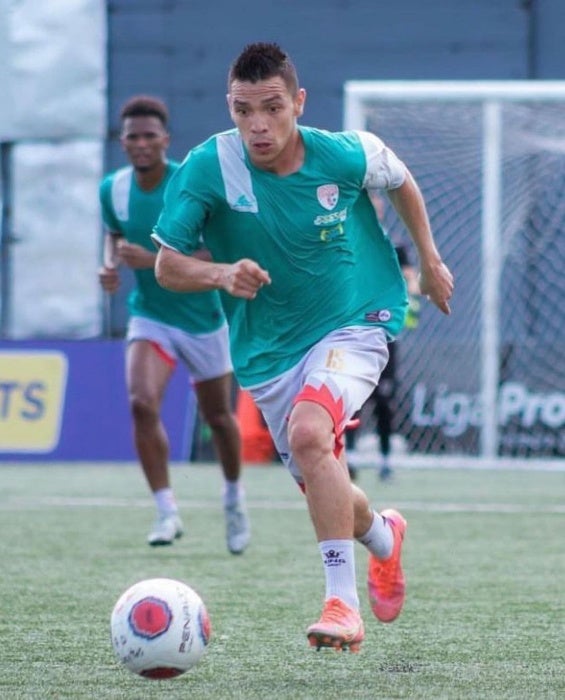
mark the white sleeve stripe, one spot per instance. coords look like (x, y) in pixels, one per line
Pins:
(235, 173)
(385, 171)
(160, 243)
(121, 186)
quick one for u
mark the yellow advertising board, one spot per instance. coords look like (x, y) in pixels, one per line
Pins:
(32, 399)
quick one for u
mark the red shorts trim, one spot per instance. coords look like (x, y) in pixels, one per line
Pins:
(163, 354)
(323, 397)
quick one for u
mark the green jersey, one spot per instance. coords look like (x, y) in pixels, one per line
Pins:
(129, 211)
(312, 231)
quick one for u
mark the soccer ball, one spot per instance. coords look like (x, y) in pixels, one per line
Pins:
(160, 628)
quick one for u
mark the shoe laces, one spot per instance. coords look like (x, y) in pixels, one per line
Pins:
(334, 612)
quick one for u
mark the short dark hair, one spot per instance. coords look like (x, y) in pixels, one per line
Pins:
(261, 61)
(145, 106)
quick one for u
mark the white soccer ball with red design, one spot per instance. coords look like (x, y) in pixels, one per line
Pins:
(160, 628)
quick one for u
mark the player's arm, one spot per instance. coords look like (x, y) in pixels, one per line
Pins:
(135, 256)
(108, 274)
(182, 265)
(384, 170)
(187, 273)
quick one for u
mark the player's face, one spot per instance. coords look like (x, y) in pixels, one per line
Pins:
(265, 114)
(145, 140)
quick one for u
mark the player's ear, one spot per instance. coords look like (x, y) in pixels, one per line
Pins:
(299, 101)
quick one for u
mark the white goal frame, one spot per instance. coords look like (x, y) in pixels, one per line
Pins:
(493, 94)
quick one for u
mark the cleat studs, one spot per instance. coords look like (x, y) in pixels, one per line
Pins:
(319, 641)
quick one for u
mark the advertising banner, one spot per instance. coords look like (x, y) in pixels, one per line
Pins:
(67, 401)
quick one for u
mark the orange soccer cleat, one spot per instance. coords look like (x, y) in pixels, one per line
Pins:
(340, 627)
(387, 587)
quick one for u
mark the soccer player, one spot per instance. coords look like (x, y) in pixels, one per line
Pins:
(164, 326)
(285, 212)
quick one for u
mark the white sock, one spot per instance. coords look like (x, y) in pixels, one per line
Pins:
(165, 501)
(233, 492)
(338, 557)
(378, 539)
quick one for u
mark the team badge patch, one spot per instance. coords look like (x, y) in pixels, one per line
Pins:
(328, 196)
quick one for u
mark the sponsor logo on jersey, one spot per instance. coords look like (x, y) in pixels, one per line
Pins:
(330, 234)
(328, 196)
(379, 316)
(243, 203)
(335, 217)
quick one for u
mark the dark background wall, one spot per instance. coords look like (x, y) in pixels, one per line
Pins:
(181, 50)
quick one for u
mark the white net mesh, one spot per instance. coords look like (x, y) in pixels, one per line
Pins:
(440, 397)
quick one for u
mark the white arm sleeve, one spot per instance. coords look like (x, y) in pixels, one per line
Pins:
(385, 171)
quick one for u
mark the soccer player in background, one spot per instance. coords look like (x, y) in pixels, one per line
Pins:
(285, 213)
(165, 326)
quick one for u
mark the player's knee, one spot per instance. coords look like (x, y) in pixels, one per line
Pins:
(143, 407)
(308, 436)
(220, 421)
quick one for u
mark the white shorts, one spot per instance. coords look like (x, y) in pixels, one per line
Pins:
(206, 355)
(339, 373)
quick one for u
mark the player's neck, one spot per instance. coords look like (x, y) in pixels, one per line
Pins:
(150, 178)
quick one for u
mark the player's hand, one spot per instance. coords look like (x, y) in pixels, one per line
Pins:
(244, 278)
(134, 256)
(109, 278)
(436, 283)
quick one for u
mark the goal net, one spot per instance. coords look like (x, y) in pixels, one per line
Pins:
(485, 386)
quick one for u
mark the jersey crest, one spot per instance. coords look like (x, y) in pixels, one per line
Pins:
(328, 196)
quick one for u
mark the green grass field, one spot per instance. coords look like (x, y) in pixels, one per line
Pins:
(484, 558)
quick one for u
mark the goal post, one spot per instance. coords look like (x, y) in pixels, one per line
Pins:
(486, 385)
